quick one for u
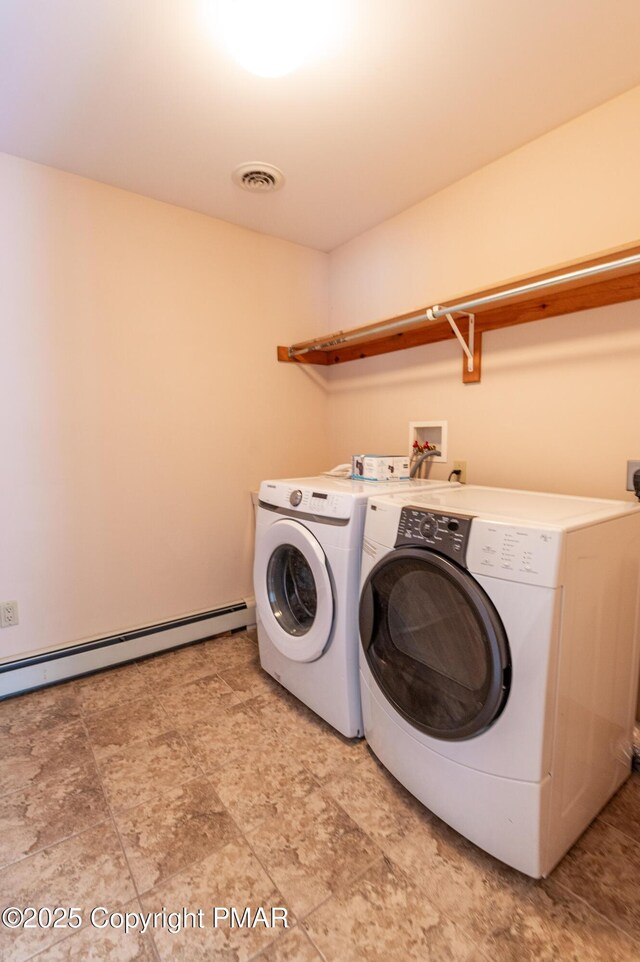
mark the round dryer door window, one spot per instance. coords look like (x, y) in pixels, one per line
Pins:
(293, 590)
(435, 643)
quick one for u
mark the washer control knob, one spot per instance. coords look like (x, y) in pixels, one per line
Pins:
(295, 498)
(429, 526)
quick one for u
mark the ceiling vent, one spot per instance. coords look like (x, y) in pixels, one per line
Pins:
(258, 178)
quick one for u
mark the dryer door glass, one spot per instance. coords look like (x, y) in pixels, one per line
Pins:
(294, 594)
(292, 590)
(435, 643)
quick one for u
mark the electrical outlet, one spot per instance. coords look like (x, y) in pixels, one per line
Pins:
(632, 467)
(460, 466)
(8, 614)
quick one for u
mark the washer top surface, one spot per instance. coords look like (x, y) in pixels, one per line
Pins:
(333, 497)
(517, 507)
(359, 490)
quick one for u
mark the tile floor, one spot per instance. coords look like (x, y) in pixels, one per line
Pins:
(191, 780)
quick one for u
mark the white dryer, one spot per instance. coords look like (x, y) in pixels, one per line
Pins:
(499, 659)
(306, 581)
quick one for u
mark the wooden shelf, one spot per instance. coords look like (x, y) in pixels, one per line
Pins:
(613, 287)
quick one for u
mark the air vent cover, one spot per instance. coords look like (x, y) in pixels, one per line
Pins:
(258, 177)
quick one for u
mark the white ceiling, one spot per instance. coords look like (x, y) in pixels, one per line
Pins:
(140, 94)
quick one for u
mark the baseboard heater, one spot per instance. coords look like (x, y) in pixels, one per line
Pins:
(87, 657)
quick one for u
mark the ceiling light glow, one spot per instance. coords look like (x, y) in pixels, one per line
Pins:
(272, 38)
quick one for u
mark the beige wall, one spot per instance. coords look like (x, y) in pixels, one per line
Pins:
(556, 408)
(141, 401)
(571, 193)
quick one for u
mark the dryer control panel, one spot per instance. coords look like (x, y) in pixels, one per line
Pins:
(530, 555)
(297, 499)
(444, 532)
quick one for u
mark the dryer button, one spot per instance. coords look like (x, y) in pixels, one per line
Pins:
(295, 498)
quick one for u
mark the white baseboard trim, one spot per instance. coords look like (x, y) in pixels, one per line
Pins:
(85, 658)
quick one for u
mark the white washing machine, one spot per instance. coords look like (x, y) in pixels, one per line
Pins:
(499, 659)
(306, 582)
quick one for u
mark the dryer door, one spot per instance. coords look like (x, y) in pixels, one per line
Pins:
(435, 643)
(293, 590)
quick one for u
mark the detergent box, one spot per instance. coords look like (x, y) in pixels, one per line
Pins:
(380, 467)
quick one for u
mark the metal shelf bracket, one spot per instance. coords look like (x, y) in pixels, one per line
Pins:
(436, 312)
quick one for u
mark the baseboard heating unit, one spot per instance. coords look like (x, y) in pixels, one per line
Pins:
(84, 658)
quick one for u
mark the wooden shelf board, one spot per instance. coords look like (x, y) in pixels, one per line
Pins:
(622, 284)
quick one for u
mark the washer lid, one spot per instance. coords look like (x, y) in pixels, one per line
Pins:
(293, 590)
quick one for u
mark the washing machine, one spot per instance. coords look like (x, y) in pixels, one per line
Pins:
(499, 659)
(306, 583)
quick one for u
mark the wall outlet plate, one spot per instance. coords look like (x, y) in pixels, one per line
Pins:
(632, 467)
(8, 614)
(460, 466)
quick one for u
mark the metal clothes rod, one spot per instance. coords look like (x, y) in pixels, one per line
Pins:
(538, 285)
(436, 312)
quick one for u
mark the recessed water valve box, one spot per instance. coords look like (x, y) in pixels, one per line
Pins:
(435, 432)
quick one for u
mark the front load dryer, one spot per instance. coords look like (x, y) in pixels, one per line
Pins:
(499, 659)
(306, 583)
